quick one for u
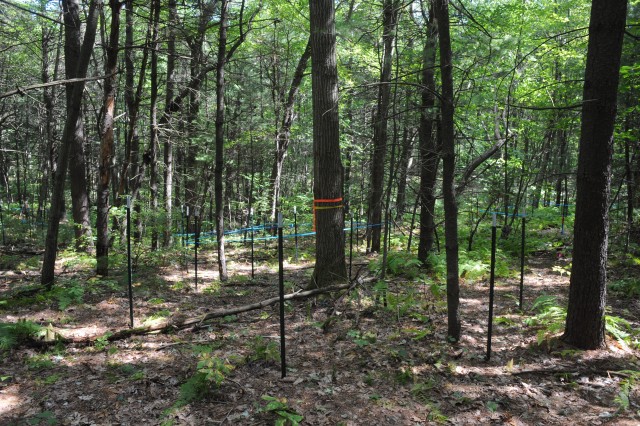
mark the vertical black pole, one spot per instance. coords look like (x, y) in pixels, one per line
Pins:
(252, 230)
(2, 224)
(295, 231)
(182, 224)
(351, 248)
(196, 241)
(524, 215)
(264, 222)
(283, 363)
(186, 263)
(129, 259)
(491, 285)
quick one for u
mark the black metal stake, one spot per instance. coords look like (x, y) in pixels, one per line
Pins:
(351, 248)
(2, 225)
(283, 363)
(491, 285)
(129, 259)
(186, 264)
(522, 258)
(295, 231)
(252, 247)
(264, 221)
(197, 241)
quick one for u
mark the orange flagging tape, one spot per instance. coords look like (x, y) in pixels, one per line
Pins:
(326, 200)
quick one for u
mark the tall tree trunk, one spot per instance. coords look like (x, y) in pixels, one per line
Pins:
(77, 172)
(441, 9)
(73, 113)
(219, 166)
(587, 291)
(106, 142)
(429, 146)
(168, 144)
(327, 166)
(283, 136)
(389, 21)
(153, 124)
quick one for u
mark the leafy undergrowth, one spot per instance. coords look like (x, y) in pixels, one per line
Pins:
(377, 355)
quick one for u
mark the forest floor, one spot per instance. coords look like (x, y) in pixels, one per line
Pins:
(368, 365)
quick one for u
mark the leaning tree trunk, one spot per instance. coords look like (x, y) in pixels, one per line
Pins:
(106, 143)
(73, 113)
(441, 9)
(283, 136)
(585, 327)
(327, 166)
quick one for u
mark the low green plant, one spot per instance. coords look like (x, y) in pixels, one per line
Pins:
(17, 333)
(362, 339)
(264, 350)
(622, 399)
(102, 342)
(45, 417)
(626, 287)
(67, 294)
(549, 318)
(286, 416)
(621, 330)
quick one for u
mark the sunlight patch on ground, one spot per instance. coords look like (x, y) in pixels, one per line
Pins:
(9, 399)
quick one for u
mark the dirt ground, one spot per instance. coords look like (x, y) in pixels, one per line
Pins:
(367, 365)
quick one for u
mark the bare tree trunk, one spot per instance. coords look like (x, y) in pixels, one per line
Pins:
(441, 9)
(389, 18)
(153, 124)
(168, 144)
(327, 166)
(283, 136)
(77, 173)
(585, 327)
(106, 143)
(73, 113)
(429, 146)
(219, 166)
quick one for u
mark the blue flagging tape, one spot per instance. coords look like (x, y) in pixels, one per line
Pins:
(210, 238)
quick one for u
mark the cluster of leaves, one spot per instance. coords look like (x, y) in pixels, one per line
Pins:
(15, 334)
(264, 350)
(286, 416)
(549, 318)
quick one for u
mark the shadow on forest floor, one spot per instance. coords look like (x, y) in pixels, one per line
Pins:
(350, 361)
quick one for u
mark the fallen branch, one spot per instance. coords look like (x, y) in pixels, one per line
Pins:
(174, 323)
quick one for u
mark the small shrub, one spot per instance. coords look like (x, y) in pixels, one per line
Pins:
(286, 416)
(15, 334)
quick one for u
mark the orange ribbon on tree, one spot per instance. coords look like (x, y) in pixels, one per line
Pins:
(324, 201)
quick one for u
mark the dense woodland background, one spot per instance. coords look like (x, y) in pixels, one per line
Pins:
(206, 115)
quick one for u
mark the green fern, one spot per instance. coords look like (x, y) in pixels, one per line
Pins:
(15, 334)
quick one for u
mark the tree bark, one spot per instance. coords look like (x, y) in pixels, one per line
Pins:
(106, 143)
(77, 172)
(283, 136)
(429, 146)
(585, 326)
(153, 124)
(327, 166)
(219, 166)
(73, 113)
(441, 9)
(389, 21)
